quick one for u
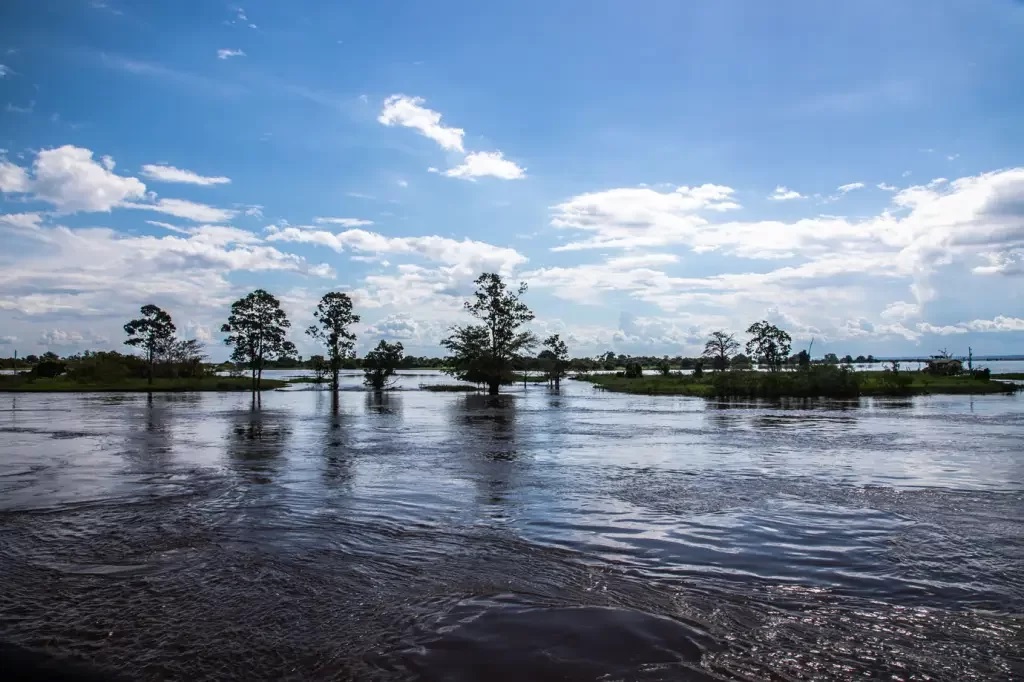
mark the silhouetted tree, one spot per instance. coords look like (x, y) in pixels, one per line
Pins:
(719, 348)
(769, 344)
(334, 316)
(320, 368)
(153, 332)
(256, 328)
(486, 352)
(559, 358)
(831, 359)
(379, 365)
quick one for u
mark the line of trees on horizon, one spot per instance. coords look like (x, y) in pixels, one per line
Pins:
(491, 350)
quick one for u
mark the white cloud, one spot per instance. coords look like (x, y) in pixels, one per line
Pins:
(22, 221)
(61, 338)
(402, 183)
(190, 210)
(8, 340)
(900, 310)
(886, 187)
(782, 193)
(470, 255)
(168, 226)
(163, 173)
(844, 189)
(408, 112)
(1000, 323)
(225, 53)
(253, 210)
(5, 71)
(71, 180)
(639, 217)
(13, 178)
(15, 109)
(344, 222)
(483, 164)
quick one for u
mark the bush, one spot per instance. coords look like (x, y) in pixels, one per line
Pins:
(634, 370)
(48, 369)
(819, 380)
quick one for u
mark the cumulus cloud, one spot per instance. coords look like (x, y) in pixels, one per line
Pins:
(409, 112)
(484, 164)
(21, 221)
(227, 53)
(639, 217)
(8, 340)
(162, 173)
(1000, 323)
(783, 193)
(62, 338)
(71, 180)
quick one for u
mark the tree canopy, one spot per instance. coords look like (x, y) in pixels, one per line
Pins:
(485, 352)
(557, 358)
(720, 347)
(333, 317)
(380, 364)
(769, 344)
(153, 332)
(256, 330)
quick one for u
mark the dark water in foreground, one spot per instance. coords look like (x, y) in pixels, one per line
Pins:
(577, 536)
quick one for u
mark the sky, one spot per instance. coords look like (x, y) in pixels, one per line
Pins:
(654, 170)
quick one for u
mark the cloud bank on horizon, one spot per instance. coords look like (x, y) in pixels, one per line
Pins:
(651, 175)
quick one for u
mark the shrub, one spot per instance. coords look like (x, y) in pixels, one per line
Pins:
(634, 370)
(48, 369)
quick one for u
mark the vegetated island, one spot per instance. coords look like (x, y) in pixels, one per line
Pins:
(811, 382)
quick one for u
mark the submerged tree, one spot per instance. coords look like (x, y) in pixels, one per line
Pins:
(485, 352)
(318, 364)
(719, 348)
(379, 365)
(153, 332)
(558, 359)
(769, 344)
(256, 328)
(333, 317)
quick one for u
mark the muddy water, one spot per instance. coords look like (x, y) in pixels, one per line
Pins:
(580, 535)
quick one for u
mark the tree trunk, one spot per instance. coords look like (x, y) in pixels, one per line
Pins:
(253, 370)
(558, 382)
(334, 379)
(149, 378)
(492, 386)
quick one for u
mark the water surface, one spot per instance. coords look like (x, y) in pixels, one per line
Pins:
(573, 535)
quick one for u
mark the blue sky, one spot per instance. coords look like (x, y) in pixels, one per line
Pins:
(851, 171)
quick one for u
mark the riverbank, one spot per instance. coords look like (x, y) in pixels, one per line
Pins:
(815, 383)
(20, 384)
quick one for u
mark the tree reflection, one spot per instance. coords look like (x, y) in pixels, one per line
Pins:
(485, 435)
(256, 442)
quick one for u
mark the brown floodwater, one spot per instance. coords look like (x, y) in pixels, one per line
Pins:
(578, 535)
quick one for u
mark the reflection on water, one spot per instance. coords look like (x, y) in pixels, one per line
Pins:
(536, 535)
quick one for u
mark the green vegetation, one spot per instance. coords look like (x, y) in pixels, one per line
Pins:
(449, 388)
(380, 364)
(256, 330)
(23, 383)
(333, 317)
(1011, 376)
(827, 381)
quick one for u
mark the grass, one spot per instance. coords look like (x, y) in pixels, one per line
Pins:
(530, 378)
(1014, 376)
(19, 384)
(827, 382)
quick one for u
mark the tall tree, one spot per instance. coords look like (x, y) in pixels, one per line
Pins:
(559, 359)
(256, 328)
(379, 365)
(153, 332)
(719, 348)
(333, 317)
(485, 352)
(769, 344)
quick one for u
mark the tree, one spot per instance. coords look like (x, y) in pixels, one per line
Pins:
(719, 348)
(334, 315)
(318, 364)
(847, 359)
(256, 328)
(153, 332)
(185, 357)
(831, 359)
(485, 352)
(559, 358)
(803, 360)
(380, 364)
(769, 344)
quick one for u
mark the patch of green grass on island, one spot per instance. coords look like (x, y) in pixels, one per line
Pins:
(18, 384)
(1011, 376)
(450, 388)
(816, 382)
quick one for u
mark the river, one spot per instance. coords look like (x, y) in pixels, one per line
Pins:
(578, 535)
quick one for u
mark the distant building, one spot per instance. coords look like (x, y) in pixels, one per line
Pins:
(944, 366)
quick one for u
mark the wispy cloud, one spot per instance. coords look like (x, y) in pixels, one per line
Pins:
(783, 193)
(409, 112)
(227, 53)
(162, 173)
(15, 109)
